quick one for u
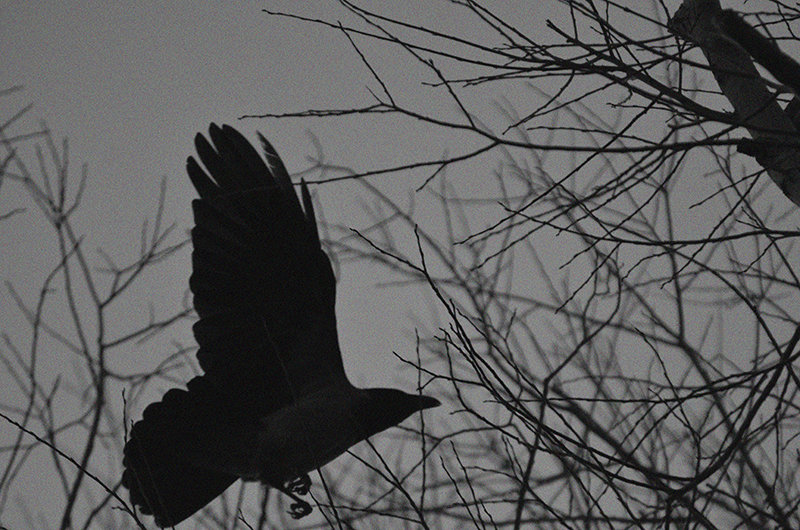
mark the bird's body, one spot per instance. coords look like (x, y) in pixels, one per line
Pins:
(316, 434)
(274, 402)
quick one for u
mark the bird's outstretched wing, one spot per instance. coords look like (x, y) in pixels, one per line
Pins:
(263, 287)
(265, 293)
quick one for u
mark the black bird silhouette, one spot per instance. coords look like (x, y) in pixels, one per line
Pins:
(274, 402)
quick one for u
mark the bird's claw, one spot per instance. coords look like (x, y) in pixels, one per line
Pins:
(299, 485)
(299, 509)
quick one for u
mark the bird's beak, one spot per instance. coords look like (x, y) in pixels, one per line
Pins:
(427, 402)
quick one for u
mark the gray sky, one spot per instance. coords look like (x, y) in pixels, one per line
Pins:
(129, 84)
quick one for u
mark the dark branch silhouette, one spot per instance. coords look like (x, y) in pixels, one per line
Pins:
(274, 403)
(762, 49)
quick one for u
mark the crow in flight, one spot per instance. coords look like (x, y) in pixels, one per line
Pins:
(274, 402)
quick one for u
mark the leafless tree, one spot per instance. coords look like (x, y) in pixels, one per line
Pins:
(612, 303)
(618, 340)
(60, 380)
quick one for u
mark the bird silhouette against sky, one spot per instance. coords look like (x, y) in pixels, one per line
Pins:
(274, 403)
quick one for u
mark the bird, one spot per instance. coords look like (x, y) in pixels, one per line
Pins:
(273, 402)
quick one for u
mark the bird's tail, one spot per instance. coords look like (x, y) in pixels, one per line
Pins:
(162, 478)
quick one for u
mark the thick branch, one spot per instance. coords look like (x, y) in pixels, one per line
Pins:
(703, 22)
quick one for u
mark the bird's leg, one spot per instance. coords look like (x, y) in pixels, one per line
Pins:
(299, 485)
(299, 508)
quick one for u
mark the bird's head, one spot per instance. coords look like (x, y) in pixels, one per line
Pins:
(381, 408)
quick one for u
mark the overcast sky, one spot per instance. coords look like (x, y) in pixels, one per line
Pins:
(129, 84)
